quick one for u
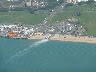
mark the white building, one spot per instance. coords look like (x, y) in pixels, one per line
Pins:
(29, 3)
(75, 1)
(12, 0)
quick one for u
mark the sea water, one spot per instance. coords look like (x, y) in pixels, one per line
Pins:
(21, 55)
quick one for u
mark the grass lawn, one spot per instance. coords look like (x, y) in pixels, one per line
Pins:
(61, 16)
(81, 8)
(86, 19)
(23, 17)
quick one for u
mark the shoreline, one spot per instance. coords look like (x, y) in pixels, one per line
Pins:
(66, 38)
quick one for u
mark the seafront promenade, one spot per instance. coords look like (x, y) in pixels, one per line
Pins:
(61, 32)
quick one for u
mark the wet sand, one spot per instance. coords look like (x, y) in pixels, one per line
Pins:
(37, 37)
(66, 38)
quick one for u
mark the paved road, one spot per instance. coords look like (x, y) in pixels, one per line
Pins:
(54, 12)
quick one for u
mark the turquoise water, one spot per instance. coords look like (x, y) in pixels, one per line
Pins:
(18, 55)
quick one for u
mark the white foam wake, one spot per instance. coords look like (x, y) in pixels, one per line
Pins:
(24, 51)
(39, 42)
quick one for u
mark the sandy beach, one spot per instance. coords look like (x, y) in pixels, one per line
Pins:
(37, 37)
(66, 38)
(74, 39)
